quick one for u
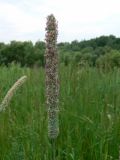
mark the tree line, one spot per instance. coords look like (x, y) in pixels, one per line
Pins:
(103, 51)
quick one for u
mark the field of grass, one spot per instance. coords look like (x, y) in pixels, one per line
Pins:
(89, 115)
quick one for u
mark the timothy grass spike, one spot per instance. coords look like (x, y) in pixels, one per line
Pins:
(52, 84)
(11, 92)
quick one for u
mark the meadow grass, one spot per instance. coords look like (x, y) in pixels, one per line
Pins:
(89, 115)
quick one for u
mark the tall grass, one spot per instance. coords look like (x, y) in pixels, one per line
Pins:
(89, 115)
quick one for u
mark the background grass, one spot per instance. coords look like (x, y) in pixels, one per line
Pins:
(89, 115)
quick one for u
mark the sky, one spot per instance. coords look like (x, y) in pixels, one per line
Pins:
(23, 20)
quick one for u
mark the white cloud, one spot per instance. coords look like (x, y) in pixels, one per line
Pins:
(78, 19)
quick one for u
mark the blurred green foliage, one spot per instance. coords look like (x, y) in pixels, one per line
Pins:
(102, 51)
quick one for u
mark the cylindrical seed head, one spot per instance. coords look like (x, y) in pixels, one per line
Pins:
(52, 84)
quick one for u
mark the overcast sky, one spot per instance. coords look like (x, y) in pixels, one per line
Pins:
(77, 19)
